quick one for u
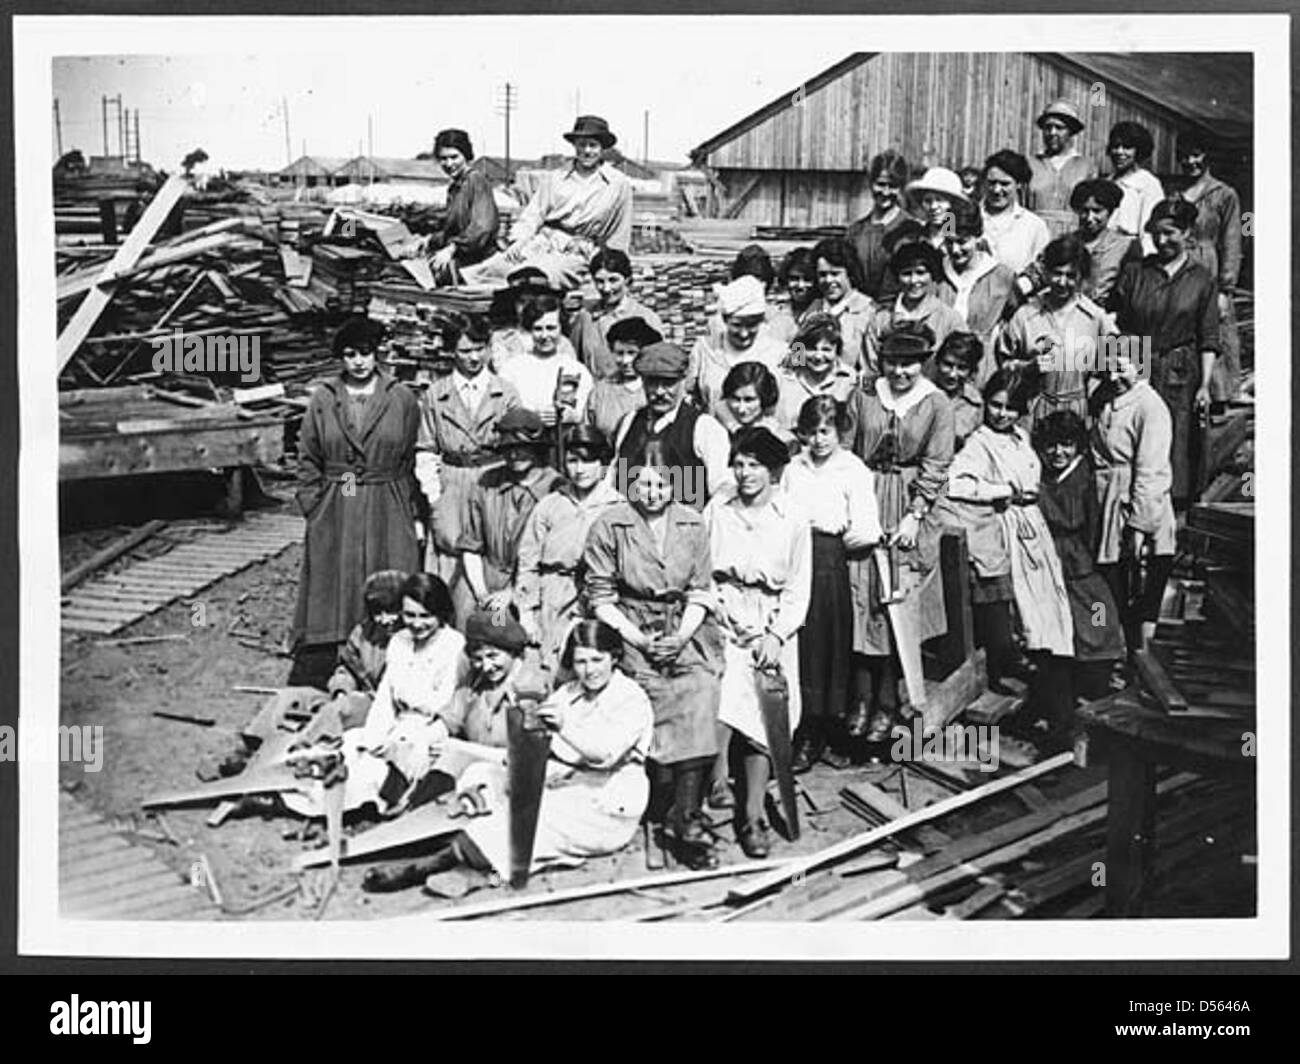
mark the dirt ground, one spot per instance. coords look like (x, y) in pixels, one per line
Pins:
(120, 688)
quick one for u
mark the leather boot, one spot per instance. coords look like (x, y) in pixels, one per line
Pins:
(691, 843)
(399, 875)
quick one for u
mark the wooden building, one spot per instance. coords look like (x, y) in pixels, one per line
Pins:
(802, 159)
(312, 170)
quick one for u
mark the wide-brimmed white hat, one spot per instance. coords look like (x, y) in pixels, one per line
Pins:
(941, 180)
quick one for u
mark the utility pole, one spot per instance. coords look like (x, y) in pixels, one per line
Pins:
(121, 129)
(137, 135)
(645, 142)
(288, 143)
(370, 145)
(103, 114)
(507, 102)
(58, 129)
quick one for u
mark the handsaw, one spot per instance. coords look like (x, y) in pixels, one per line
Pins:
(903, 621)
(529, 749)
(774, 704)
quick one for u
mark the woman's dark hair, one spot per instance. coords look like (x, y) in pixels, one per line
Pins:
(908, 231)
(1068, 250)
(764, 446)
(966, 219)
(453, 138)
(1106, 193)
(818, 327)
(964, 346)
(1174, 209)
(1192, 142)
(1010, 162)
(592, 635)
(588, 441)
(888, 164)
(906, 255)
(801, 261)
(360, 333)
(613, 261)
(431, 593)
(842, 255)
(451, 325)
(536, 307)
(1015, 383)
(757, 375)
(1131, 135)
(753, 261)
(1061, 426)
(822, 410)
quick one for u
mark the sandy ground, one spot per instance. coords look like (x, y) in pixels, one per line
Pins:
(120, 688)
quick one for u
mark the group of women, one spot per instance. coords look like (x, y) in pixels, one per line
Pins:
(670, 537)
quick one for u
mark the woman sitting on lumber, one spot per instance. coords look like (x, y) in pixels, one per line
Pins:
(596, 788)
(469, 229)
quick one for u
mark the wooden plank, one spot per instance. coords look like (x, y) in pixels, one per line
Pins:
(958, 644)
(946, 700)
(70, 285)
(97, 298)
(1158, 683)
(121, 882)
(886, 805)
(597, 890)
(100, 558)
(851, 846)
(99, 862)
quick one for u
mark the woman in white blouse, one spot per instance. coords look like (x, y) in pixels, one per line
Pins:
(761, 547)
(835, 490)
(1129, 147)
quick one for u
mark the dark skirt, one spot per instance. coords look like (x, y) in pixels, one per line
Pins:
(826, 640)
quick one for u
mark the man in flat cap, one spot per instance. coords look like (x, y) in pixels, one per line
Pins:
(575, 212)
(671, 432)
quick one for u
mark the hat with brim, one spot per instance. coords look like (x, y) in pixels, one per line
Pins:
(634, 330)
(905, 345)
(530, 279)
(941, 180)
(594, 127)
(1065, 111)
(496, 628)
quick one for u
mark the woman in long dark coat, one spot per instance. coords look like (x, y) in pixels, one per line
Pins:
(1171, 301)
(357, 489)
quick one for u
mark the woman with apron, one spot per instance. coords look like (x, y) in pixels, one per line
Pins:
(649, 575)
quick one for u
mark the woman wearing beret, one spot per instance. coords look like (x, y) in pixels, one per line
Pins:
(595, 786)
(1057, 168)
(1172, 303)
(555, 534)
(358, 491)
(1014, 234)
(761, 546)
(903, 430)
(1129, 147)
(918, 268)
(649, 575)
(469, 229)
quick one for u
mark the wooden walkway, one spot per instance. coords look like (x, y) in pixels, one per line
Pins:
(108, 603)
(102, 876)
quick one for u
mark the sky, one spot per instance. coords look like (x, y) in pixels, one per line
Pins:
(227, 92)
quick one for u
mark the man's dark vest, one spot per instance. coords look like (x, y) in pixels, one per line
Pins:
(674, 447)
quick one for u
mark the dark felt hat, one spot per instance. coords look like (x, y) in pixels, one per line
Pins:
(907, 345)
(592, 126)
(517, 426)
(588, 441)
(662, 360)
(633, 331)
(496, 628)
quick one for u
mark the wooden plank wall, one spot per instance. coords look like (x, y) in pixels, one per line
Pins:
(938, 109)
